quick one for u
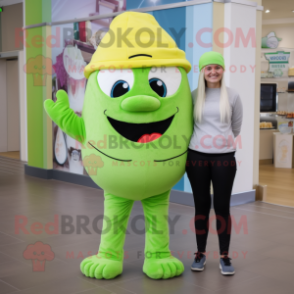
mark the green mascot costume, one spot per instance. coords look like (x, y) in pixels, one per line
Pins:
(136, 126)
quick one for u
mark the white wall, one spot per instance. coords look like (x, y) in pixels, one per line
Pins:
(284, 31)
(3, 108)
(23, 108)
(23, 97)
(243, 16)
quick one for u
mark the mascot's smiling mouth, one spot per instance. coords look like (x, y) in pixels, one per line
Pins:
(141, 133)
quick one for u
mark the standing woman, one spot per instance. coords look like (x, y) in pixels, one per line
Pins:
(218, 116)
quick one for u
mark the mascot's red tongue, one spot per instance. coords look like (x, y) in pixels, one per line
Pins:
(148, 138)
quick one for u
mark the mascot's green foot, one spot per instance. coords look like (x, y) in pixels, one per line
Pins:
(101, 268)
(164, 268)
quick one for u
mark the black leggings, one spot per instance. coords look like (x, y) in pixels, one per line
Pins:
(219, 168)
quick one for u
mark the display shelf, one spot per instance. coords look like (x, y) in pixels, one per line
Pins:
(270, 50)
(273, 80)
(280, 118)
(286, 102)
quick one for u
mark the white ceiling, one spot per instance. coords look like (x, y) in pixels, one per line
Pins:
(278, 9)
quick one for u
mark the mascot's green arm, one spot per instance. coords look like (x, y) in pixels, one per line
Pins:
(64, 116)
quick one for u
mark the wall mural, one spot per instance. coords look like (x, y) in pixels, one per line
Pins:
(78, 42)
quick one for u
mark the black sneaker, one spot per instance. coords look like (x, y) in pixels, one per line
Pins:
(199, 262)
(226, 266)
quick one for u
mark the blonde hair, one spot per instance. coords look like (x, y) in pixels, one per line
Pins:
(199, 100)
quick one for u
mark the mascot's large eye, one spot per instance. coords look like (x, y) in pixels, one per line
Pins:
(119, 88)
(115, 83)
(165, 81)
(158, 86)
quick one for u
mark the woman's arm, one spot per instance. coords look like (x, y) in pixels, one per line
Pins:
(237, 116)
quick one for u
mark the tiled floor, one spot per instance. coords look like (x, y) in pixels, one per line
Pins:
(262, 248)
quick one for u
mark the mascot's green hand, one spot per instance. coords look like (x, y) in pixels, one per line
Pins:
(64, 116)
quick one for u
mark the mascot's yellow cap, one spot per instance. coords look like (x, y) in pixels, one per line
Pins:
(136, 40)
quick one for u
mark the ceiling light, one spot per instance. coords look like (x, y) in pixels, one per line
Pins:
(267, 11)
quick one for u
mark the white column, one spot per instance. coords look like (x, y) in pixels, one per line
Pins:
(239, 54)
(3, 107)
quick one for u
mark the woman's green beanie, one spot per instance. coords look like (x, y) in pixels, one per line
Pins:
(211, 57)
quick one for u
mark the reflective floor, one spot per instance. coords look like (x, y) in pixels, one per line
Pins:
(280, 184)
(11, 154)
(42, 215)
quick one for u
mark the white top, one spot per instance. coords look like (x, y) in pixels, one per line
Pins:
(211, 135)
